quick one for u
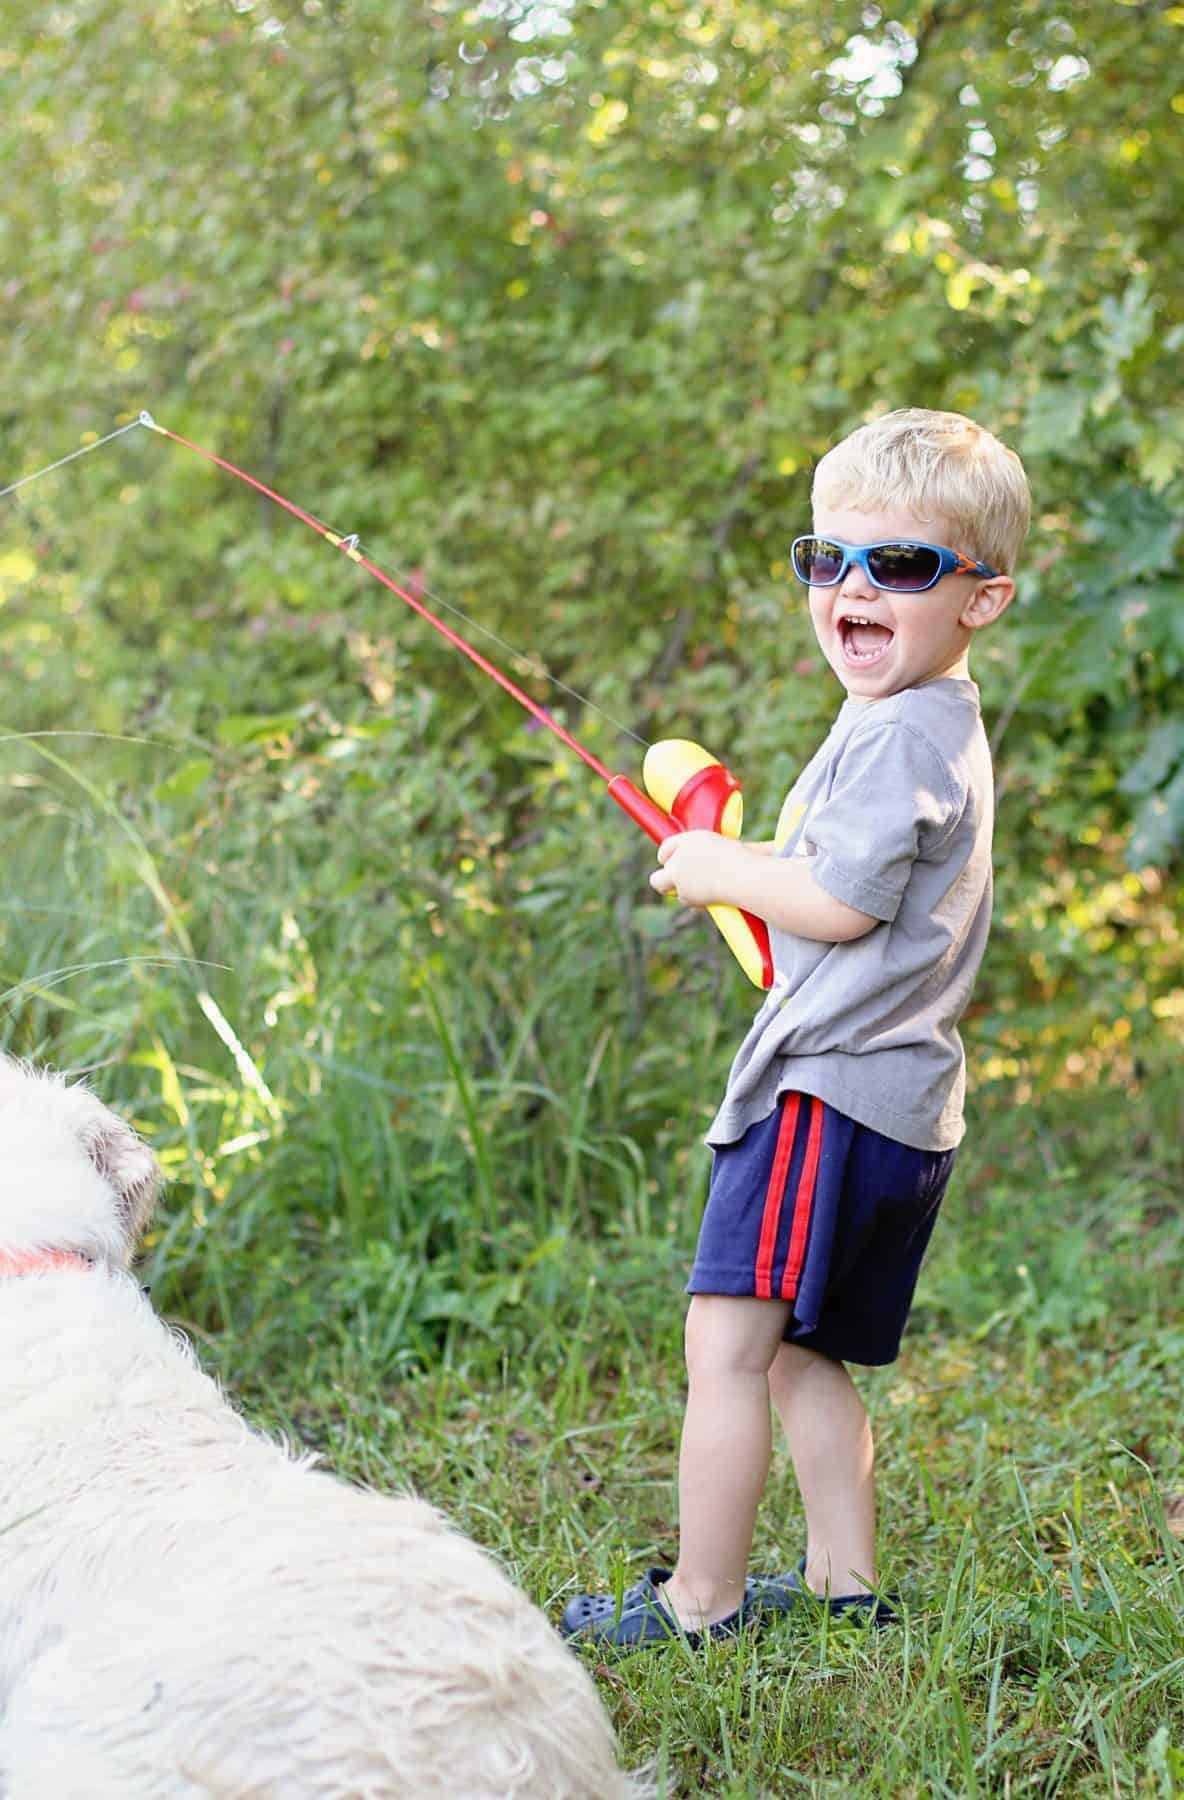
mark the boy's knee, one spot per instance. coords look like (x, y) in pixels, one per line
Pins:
(733, 1334)
(792, 1361)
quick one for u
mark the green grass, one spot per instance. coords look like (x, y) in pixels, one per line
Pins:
(433, 1196)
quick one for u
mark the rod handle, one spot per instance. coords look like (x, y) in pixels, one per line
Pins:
(746, 936)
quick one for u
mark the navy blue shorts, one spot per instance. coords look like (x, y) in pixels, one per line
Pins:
(812, 1208)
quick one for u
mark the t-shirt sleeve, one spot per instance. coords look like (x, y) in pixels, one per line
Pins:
(893, 798)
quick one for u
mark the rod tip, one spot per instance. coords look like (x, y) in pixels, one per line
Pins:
(147, 419)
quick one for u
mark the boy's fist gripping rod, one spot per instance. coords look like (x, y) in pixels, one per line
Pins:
(690, 790)
(694, 792)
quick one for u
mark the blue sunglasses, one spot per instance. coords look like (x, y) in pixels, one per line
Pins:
(897, 568)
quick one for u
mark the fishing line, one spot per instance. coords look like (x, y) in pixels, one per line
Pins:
(533, 666)
(73, 456)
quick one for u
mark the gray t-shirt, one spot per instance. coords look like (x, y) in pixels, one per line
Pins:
(895, 811)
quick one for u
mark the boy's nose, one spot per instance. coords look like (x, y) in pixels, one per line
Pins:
(857, 585)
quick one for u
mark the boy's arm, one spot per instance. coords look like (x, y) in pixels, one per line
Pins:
(705, 869)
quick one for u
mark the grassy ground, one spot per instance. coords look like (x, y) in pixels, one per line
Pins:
(1026, 1438)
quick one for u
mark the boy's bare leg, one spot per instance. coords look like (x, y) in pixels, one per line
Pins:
(731, 1341)
(830, 1441)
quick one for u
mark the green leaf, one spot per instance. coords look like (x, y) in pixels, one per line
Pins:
(256, 728)
(1159, 826)
(186, 780)
(1055, 419)
(1165, 748)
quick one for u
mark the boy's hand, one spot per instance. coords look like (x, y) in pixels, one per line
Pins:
(695, 867)
(704, 869)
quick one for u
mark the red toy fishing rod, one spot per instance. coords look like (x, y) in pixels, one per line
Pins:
(698, 791)
(689, 789)
(650, 817)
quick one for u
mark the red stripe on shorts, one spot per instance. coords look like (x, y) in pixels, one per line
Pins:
(803, 1204)
(771, 1218)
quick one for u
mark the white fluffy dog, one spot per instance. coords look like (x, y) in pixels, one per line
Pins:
(185, 1610)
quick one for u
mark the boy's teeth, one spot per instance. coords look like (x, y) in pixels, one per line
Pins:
(852, 623)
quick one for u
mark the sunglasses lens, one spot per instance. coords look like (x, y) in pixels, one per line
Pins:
(817, 562)
(905, 568)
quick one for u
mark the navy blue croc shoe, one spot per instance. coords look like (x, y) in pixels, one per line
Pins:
(640, 1619)
(774, 1593)
(876, 1609)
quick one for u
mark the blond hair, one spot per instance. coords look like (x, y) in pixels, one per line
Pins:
(933, 464)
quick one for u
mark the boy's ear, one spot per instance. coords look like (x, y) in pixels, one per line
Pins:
(988, 601)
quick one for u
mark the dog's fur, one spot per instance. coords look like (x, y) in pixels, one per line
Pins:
(187, 1611)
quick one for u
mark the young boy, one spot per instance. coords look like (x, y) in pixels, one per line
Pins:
(843, 1109)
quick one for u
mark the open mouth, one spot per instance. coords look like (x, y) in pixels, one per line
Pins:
(863, 641)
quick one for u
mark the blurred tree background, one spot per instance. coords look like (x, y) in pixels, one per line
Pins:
(556, 303)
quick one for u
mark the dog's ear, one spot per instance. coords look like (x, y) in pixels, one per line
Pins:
(124, 1161)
